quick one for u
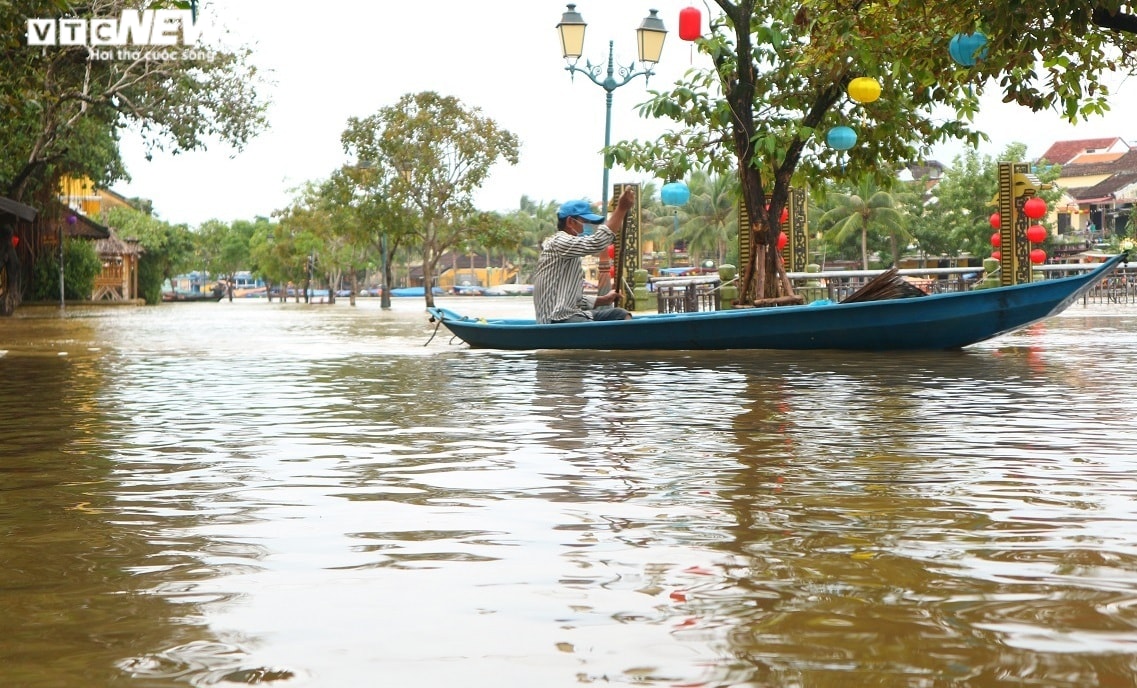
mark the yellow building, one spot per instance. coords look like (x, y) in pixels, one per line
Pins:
(81, 195)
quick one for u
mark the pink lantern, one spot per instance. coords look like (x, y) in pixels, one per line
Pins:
(996, 220)
(1036, 234)
(1038, 256)
(1034, 208)
(782, 240)
(996, 240)
(690, 23)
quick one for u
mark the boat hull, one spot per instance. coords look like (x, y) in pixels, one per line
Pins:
(939, 321)
(169, 297)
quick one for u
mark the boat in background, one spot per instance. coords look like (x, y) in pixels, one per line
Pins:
(415, 291)
(950, 320)
(509, 290)
(185, 297)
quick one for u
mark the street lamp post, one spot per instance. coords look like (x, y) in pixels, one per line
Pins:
(649, 38)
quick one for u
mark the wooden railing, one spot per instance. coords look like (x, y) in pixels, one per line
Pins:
(701, 293)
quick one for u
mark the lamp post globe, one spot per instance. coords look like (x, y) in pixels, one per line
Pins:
(571, 29)
(650, 37)
(674, 193)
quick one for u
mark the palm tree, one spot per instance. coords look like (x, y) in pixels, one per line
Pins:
(539, 221)
(865, 208)
(713, 215)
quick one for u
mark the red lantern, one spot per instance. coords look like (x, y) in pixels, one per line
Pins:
(782, 240)
(785, 216)
(15, 241)
(1036, 234)
(996, 240)
(1034, 208)
(996, 220)
(612, 272)
(1038, 256)
(690, 23)
(611, 250)
(997, 255)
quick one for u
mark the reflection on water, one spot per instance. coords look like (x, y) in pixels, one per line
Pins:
(247, 493)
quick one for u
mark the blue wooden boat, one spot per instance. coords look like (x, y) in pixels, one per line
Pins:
(939, 321)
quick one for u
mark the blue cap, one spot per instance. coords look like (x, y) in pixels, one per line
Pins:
(579, 208)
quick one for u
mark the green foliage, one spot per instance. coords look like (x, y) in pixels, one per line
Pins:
(168, 250)
(61, 112)
(712, 217)
(419, 162)
(81, 265)
(955, 217)
(276, 250)
(863, 210)
(150, 280)
(780, 71)
(224, 248)
(535, 221)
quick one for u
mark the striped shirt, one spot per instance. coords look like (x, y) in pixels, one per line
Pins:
(558, 281)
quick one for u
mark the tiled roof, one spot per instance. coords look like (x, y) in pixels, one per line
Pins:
(1106, 187)
(83, 226)
(1091, 158)
(114, 246)
(1062, 152)
(1126, 163)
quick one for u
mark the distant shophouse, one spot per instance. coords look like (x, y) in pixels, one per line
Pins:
(1099, 188)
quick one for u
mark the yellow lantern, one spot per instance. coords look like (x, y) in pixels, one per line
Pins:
(864, 89)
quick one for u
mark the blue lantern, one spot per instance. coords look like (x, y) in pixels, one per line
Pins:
(674, 193)
(968, 48)
(841, 138)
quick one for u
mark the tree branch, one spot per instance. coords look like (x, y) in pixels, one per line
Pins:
(1122, 22)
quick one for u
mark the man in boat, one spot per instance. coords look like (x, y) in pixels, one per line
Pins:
(558, 281)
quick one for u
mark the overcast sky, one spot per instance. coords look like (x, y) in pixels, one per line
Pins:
(342, 58)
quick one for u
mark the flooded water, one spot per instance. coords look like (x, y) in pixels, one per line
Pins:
(290, 495)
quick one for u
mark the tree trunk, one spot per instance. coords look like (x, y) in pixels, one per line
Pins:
(388, 280)
(428, 260)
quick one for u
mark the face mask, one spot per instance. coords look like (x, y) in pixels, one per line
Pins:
(587, 230)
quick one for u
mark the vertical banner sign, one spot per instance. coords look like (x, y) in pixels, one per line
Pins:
(1007, 221)
(744, 238)
(1016, 185)
(797, 231)
(628, 252)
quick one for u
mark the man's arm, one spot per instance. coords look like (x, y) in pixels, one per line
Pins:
(615, 221)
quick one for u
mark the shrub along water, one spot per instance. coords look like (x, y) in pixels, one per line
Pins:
(81, 265)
